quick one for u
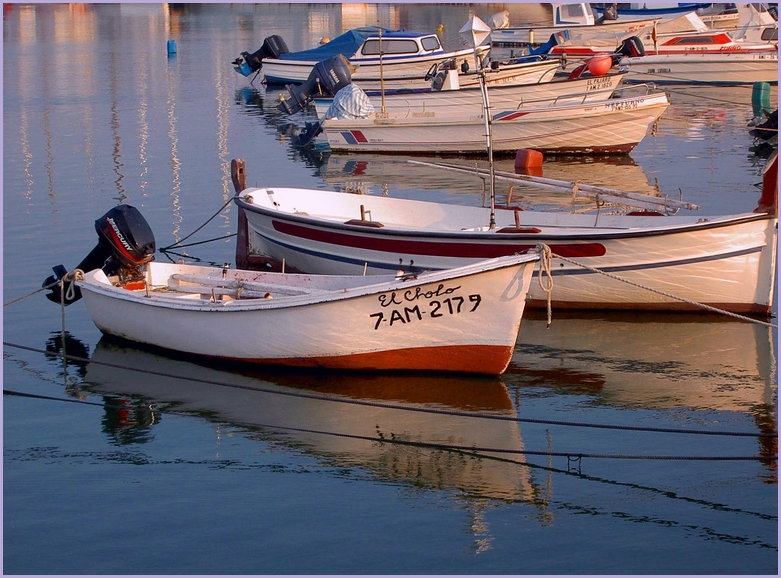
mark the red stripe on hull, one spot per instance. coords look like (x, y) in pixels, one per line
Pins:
(474, 359)
(447, 248)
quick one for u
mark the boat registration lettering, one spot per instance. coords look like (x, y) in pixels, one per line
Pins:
(406, 307)
(624, 105)
(658, 70)
(598, 83)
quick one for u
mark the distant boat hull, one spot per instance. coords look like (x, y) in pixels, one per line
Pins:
(610, 126)
(728, 68)
(502, 97)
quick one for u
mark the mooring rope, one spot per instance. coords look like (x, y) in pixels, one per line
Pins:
(209, 220)
(430, 410)
(478, 451)
(545, 270)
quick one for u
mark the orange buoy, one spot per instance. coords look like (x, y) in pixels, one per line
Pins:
(528, 162)
(526, 159)
(600, 64)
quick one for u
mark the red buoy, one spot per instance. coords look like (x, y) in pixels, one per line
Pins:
(600, 64)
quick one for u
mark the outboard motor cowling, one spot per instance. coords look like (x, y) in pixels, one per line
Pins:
(272, 47)
(327, 78)
(125, 244)
(631, 47)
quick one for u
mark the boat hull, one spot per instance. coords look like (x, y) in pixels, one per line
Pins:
(726, 68)
(610, 126)
(502, 97)
(465, 321)
(662, 263)
(399, 68)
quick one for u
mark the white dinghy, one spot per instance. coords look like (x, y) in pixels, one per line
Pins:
(463, 320)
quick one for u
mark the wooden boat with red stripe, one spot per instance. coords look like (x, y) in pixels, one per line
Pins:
(462, 320)
(671, 262)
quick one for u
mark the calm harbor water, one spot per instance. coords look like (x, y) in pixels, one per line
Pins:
(194, 468)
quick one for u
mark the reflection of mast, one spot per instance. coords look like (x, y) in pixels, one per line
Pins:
(172, 134)
(223, 122)
(143, 108)
(116, 153)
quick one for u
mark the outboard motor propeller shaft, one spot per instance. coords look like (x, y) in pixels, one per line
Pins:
(125, 243)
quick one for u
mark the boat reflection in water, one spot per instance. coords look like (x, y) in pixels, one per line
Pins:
(348, 427)
(656, 362)
(398, 177)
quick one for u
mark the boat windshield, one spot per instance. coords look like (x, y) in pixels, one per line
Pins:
(389, 46)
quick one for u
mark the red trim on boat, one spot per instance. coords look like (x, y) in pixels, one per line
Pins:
(475, 359)
(479, 248)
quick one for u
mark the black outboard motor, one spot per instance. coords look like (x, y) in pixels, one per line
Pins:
(125, 243)
(272, 47)
(327, 78)
(631, 47)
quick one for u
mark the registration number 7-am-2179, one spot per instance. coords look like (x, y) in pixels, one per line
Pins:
(415, 305)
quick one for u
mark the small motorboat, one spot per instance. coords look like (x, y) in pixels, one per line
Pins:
(464, 320)
(376, 53)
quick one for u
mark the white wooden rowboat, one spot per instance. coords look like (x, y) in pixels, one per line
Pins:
(672, 262)
(461, 320)
(609, 126)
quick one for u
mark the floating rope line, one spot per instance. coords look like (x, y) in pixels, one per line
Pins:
(396, 406)
(209, 220)
(670, 295)
(478, 451)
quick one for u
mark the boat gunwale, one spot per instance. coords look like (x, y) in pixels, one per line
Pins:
(400, 283)
(704, 223)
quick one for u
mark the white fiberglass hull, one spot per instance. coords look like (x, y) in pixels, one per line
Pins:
(468, 101)
(464, 320)
(282, 71)
(610, 126)
(726, 262)
(693, 67)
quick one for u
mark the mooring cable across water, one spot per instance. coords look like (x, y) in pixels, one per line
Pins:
(401, 407)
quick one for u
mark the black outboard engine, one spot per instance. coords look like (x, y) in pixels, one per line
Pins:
(631, 47)
(609, 12)
(326, 79)
(125, 243)
(272, 47)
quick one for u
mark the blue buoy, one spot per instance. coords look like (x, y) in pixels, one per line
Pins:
(172, 47)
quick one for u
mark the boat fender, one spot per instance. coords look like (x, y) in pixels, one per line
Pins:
(600, 64)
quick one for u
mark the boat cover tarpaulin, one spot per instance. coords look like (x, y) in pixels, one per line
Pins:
(347, 44)
(350, 102)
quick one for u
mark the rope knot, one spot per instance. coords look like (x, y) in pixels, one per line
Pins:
(546, 258)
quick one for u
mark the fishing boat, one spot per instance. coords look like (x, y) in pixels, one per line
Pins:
(725, 68)
(667, 55)
(462, 320)
(664, 262)
(575, 16)
(377, 53)
(458, 100)
(616, 125)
